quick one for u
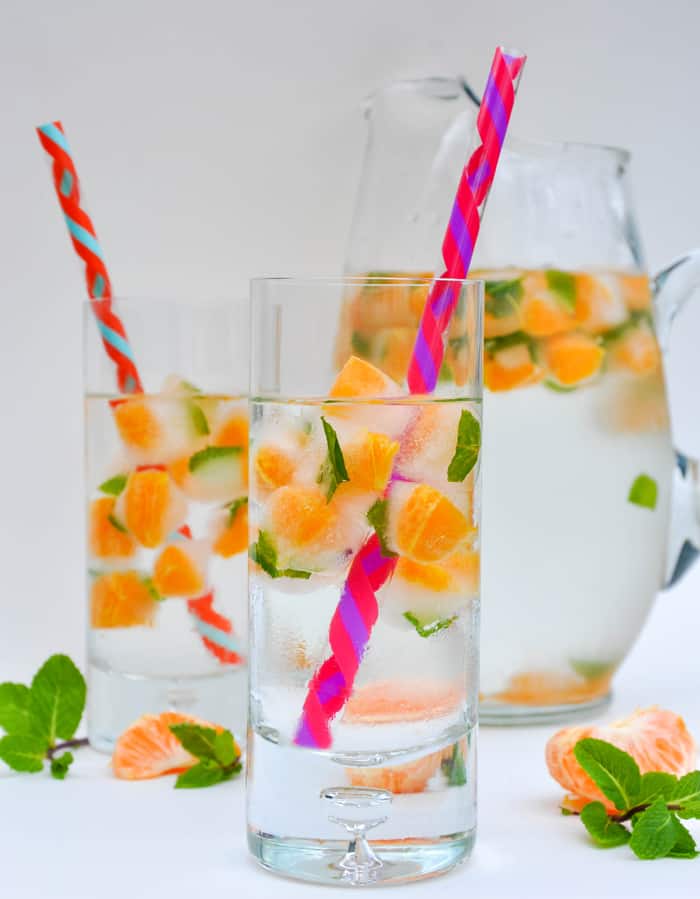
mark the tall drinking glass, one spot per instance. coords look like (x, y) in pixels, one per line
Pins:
(166, 478)
(364, 585)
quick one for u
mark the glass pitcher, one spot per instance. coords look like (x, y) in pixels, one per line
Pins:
(578, 463)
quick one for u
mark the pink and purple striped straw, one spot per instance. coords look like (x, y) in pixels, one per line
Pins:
(351, 626)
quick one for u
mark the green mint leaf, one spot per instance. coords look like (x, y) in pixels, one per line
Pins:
(562, 284)
(557, 388)
(60, 765)
(117, 524)
(655, 832)
(211, 454)
(602, 830)
(198, 419)
(654, 784)
(467, 449)
(378, 517)
(684, 847)
(643, 492)
(454, 768)
(264, 553)
(361, 345)
(502, 297)
(23, 752)
(204, 774)
(151, 587)
(686, 791)
(689, 810)
(113, 486)
(333, 471)
(445, 373)
(198, 741)
(496, 344)
(57, 699)
(613, 771)
(590, 669)
(428, 630)
(15, 717)
(225, 748)
(234, 507)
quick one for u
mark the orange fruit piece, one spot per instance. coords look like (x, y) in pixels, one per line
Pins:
(137, 424)
(411, 777)
(549, 688)
(274, 467)
(105, 540)
(599, 303)
(460, 571)
(148, 748)
(657, 740)
(233, 431)
(176, 572)
(121, 599)
(151, 508)
(636, 291)
(573, 358)
(370, 460)
(428, 527)
(232, 538)
(637, 351)
(542, 313)
(511, 368)
(360, 378)
(300, 515)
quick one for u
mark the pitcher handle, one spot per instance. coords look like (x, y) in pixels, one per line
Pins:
(672, 288)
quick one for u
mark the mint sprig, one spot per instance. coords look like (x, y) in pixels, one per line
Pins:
(333, 471)
(643, 492)
(378, 517)
(218, 754)
(502, 297)
(264, 552)
(113, 486)
(467, 449)
(40, 721)
(649, 806)
(427, 630)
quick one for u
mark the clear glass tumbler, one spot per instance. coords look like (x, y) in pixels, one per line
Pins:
(364, 584)
(167, 507)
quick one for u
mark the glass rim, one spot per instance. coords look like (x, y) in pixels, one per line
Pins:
(341, 280)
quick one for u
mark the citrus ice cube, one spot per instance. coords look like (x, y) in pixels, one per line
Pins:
(122, 599)
(107, 537)
(360, 380)
(213, 474)
(151, 506)
(424, 524)
(181, 568)
(229, 529)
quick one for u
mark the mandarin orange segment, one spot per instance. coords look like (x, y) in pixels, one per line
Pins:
(573, 358)
(176, 573)
(499, 327)
(106, 540)
(435, 578)
(428, 526)
(548, 688)
(148, 748)
(511, 368)
(137, 424)
(411, 777)
(233, 431)
(359, 378)
(150, 508)
(599, 303)
(300, 515)
(637, 352)
(121, 599)
(636, 291)
(274, 467)
(544, 317)
(370, 460)
(657, 740)
(233, 537)
(391, 701)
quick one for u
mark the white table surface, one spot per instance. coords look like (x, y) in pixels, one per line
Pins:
(94, 837)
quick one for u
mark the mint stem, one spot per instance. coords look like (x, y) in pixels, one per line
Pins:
(69, 744)
(631, 812)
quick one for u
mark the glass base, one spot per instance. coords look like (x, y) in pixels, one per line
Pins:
(331, 861)
(116, 700)
(501, 714)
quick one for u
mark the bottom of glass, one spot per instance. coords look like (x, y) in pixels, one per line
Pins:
(332, 862)
(502, 714)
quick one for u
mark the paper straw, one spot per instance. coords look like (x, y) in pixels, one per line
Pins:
(357, 611)
(216, 631)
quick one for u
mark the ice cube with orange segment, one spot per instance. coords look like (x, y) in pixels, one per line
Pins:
(121, 599)
(180, 568)
(108, 539)
(361, 397)
(151, 506)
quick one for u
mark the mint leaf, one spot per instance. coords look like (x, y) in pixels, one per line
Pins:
(333, 471)
(467, 449)
(117, 524)
(360, 344)
(689, 810)
(151, 587)
(454, 768)
(502, 297)
(234, 507)
(591, 670)
(654, 784)
(23, 752)
(225, 748)
(211, 454)
(113, 486)
(378, 517)
(14, 708)
(428, 630)
(613, 771)
(204, 774)
(60, 765)
(643, 492)
(57, 699)
(562, 284)
(198, 741)
(655, 832)
(445, 373)
(198, 419)
(687, 793)
(684, 847)
(557, 388)
(602, 830)
(496, 344)
(263, 552)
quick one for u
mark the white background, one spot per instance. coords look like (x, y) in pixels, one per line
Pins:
(220, 140)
